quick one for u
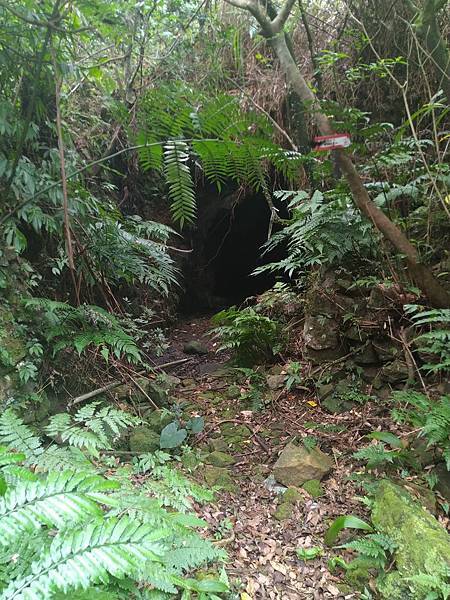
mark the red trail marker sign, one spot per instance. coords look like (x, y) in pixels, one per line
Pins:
(331, 142)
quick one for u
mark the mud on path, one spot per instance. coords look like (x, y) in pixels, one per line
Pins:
(243, 518)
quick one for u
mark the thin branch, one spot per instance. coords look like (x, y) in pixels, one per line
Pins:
(114, 384)
(283, 132)
(280, 20)
(50, 24)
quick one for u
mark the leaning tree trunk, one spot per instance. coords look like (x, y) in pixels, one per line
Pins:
(273, 30)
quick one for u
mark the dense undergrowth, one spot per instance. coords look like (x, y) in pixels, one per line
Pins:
(113, 115)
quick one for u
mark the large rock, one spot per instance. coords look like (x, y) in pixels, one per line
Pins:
(443, 482)
(220, 478)
(320, 333)
(422, 544)
(296, 465)
(395, 372)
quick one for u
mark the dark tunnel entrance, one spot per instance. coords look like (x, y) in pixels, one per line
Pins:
(233, 251)
(227, 249)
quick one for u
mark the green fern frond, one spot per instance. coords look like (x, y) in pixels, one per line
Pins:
(57, 500)
(193, 552)
(63, 458)
(179, 181)
(95, 552)
(92, 428)
(376, 455)
(18, 436)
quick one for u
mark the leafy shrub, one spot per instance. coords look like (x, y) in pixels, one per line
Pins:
(251, 337)
(319, 232)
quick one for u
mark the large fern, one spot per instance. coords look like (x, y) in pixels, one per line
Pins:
(90, 554)
(58, 500)
(320, 231)
(431, 417)
(75, 531)
(93, 427)
(212, 134)
(83, 326)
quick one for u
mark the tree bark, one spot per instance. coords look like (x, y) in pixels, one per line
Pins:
(273, 30)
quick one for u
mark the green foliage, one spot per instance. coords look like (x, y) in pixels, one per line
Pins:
(92, 428)
(431, 416)
(309, 553)
(213, 134)
(321, 231)
(375, 549)
(344, 522)
(294, 376)
(83, 327)
(76, 530)
(251, 337)
(376, 455)
(435, 342)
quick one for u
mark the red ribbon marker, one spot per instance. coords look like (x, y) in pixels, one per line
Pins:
(331, 142)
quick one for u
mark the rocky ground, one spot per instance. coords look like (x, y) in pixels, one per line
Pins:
(273, 496)
(281, 463)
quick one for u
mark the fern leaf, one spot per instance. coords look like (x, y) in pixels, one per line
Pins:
(81, 557)
(15, 434)
(59, 499)
(179, 181)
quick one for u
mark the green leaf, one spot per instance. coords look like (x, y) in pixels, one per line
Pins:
(309, 553)
(171, 436)
(387, 437)
(196, 424)
(344, 522)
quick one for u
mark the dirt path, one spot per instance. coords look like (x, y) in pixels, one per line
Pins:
(261, 548)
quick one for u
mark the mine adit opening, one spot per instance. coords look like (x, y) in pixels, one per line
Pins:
(227, 249)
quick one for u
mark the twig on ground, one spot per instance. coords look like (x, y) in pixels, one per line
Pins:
(114, 384)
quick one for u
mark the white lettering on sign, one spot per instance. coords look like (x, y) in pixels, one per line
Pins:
(331, 142)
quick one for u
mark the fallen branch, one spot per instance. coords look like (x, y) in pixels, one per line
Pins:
(114, 384)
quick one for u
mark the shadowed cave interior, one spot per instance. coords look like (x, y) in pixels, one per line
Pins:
(227, 249)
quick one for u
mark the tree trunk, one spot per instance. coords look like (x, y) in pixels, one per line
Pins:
(421, 274)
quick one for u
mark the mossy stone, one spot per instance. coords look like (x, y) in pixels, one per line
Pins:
(220, 478)
(359, 571)
(195, 347)
(143, 439)
(219, 459)
(233, 392)
(284, 511)
(156, 420)
(218, 444)
(292, 496)
(235, 435)
(423, 545)
(313, 487)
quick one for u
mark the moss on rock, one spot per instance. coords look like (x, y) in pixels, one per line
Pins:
(219, 459)
(143, 439)
(423, 545)
(313, 487)
(284, 511)
(220, 478)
